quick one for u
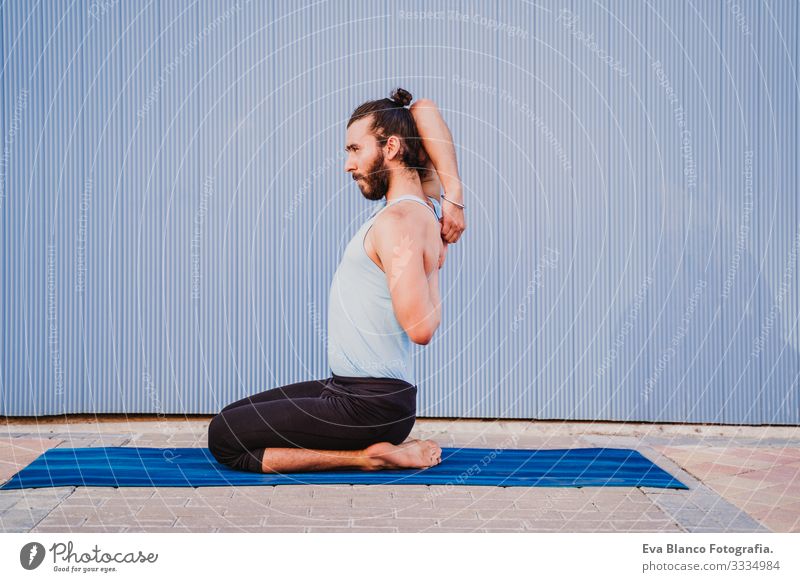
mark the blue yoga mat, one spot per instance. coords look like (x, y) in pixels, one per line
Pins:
(195, 467)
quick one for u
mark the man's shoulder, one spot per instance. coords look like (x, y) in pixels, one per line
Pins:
(407, 217)
(406, 226)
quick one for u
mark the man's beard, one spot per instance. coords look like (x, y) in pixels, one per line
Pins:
(374, 184)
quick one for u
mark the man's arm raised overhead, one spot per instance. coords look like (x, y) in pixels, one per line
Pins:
(438, 143)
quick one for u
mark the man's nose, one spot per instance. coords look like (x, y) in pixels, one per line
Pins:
(349, 165)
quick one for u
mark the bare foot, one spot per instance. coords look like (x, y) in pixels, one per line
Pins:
(412, 454)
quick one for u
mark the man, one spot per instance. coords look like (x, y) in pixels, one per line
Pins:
(383, 297)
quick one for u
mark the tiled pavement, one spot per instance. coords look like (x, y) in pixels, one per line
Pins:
(741, 479)
(763, 481)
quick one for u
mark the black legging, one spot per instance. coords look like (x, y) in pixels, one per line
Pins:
(337, 413)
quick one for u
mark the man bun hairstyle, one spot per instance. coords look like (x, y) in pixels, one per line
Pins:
(391, 117)
(401, 96)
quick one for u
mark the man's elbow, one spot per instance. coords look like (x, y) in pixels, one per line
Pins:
(423, 104)
(422, 335)
(421, 338)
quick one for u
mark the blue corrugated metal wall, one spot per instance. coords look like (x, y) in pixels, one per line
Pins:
(174, 203)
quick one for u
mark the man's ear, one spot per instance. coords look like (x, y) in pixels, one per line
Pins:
(393, 147)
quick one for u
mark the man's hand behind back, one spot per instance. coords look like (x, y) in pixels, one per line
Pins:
(453, 222)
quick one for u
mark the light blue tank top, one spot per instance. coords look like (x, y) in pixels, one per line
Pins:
(364, 337)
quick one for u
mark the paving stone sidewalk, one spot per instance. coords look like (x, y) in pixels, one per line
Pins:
(741, 479)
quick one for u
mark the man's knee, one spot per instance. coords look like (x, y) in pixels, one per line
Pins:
(219, 439)
(236, 404)
(226, 448)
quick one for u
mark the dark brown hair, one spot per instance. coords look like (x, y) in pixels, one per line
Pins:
(391, 117)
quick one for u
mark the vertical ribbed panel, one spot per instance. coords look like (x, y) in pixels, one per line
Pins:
(174, 203)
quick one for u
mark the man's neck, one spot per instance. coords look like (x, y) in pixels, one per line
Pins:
(404, 183)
